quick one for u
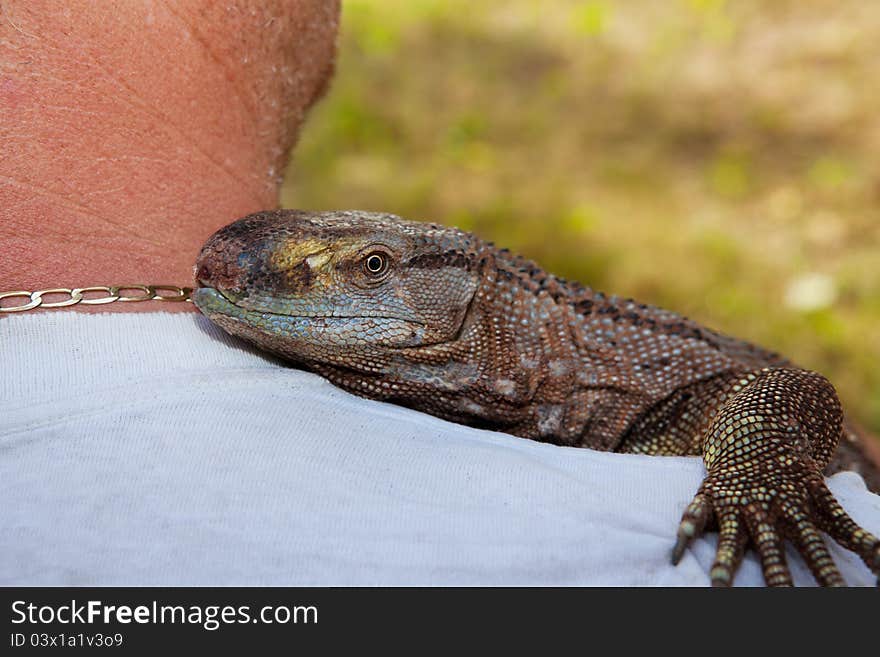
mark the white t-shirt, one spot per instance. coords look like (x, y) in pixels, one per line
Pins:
(152, 449)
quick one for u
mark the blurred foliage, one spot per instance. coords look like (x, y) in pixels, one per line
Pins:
(721, 159)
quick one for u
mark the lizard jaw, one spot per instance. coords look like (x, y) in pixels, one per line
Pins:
(207, 298)
(341, 331)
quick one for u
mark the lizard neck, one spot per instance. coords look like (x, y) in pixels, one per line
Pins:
(581, 366)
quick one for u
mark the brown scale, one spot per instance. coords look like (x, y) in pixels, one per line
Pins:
(504, 345)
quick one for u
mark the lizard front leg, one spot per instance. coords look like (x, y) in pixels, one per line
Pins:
(764, 451)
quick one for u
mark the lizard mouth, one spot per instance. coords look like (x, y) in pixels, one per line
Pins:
(215, 301)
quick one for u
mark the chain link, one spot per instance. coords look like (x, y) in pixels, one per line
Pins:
(106, 294)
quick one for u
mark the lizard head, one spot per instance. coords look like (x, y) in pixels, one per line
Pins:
(337, 288)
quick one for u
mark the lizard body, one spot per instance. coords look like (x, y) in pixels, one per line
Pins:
(436, 319)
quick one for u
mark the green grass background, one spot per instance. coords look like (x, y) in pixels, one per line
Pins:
(721, 159)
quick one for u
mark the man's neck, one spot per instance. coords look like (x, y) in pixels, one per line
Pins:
(130, 133)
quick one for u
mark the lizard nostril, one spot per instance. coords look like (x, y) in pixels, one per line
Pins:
(203, 275)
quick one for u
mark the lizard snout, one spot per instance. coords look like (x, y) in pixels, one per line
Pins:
(224, 263)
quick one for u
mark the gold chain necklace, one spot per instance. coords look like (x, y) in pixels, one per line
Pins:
(95, 295)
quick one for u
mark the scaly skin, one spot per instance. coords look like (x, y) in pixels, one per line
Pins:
(438, 320)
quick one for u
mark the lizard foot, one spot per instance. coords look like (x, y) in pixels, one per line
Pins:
(794, 504)
(764, 454)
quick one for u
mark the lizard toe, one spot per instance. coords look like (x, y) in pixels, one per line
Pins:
(837, 523)
(692, 524)
(770, 548)
(812, 548)
(732, 539)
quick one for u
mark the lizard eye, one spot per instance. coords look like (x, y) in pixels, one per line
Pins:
(376, 263)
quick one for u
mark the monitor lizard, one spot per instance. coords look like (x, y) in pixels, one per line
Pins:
(436, 319)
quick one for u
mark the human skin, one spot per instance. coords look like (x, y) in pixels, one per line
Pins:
(130, 132)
